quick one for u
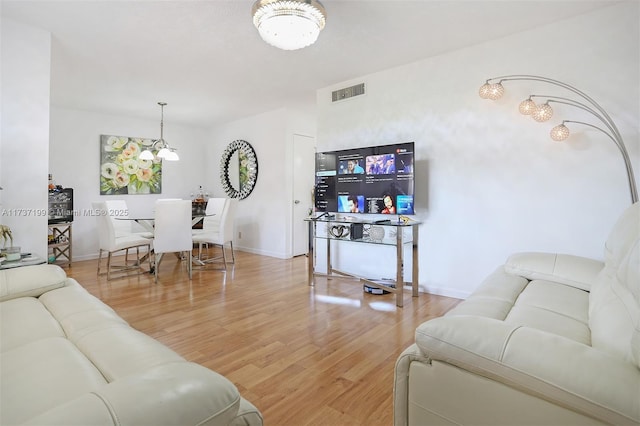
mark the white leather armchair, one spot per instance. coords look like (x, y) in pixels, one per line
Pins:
(547, 339)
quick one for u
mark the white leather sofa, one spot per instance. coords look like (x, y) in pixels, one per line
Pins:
(547, 339)
(68, 359)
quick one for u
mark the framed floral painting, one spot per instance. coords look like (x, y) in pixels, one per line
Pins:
(121, 169)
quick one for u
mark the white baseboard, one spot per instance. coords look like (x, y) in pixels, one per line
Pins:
(444, 291)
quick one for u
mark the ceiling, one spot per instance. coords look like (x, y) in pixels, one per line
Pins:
(207, 61)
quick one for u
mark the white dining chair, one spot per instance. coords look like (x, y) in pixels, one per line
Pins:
(113, 241)
(172, 232)
(213, 214)
(119, 212)
(220, 236)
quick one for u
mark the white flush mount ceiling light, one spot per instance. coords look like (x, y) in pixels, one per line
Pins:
(289, 24)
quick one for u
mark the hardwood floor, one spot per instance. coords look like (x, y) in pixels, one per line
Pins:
(303, 355)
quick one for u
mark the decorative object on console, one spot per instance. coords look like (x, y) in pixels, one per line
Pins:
(60, 202)
(199, 202)
(11, 254)
(289, 24)
(339, 231)
(123, 171)
(247, 169)
(543, 112)
(5, 234)
(165, 151)
(376, 233)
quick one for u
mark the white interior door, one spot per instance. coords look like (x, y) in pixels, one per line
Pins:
(304, 166)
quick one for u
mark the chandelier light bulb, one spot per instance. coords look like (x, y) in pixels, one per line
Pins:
(146, 155)
(543, 113)
(172, 155)
(560, 133)
(484, 90)
(166, 152)
(527, 107)
(289, 24)
(496, 90)
(163, 153)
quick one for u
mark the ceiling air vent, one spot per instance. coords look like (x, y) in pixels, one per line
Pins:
(347, 92)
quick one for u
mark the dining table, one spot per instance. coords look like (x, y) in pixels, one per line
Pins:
(147, 223)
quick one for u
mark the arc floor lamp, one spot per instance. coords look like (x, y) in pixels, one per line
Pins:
(493, 89)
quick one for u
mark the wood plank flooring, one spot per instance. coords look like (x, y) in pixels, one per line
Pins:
(303, 355)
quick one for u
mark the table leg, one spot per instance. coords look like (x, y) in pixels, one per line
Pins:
(399, 268)
(311, 254)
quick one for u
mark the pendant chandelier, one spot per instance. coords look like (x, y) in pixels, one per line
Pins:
(289, 24)
(165, 152)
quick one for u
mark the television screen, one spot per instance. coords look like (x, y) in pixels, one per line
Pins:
(376, 179)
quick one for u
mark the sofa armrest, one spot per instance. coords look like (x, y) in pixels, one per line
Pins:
(180, 393)
(543, 364)
(401, 382)
(30, 281)
(548, 366)
(579, 272)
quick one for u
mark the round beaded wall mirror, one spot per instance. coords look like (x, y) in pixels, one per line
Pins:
(239, 155)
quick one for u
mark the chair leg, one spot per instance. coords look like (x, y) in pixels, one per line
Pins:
(99, 260)
(189, 263)
(149, 253)
(233, 256)
(224, 256)
(158, 257)
(109, 267)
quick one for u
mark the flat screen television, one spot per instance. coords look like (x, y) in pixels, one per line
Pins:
(375, 180)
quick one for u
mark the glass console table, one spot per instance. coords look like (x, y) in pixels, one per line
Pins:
(367, 232)
(25, 260)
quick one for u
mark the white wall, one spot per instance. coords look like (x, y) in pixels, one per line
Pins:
(75, 163)
(24, 145)
(264, 217)
(491, 182)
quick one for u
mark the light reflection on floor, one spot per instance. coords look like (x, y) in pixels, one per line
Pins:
(337, 300)
(345, 301)
(383, 306)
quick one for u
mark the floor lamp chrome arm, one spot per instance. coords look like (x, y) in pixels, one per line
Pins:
(543, 112)
(625, 156)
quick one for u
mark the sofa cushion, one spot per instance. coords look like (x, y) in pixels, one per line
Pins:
(545, 305)
(630, 274)
(614, 301)
(557, 308)
(32, 281)
(575, 271)
(35, 323)
(180, 393)
(112, 345)
(494, 298)
(614, 309)
(42, 374)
